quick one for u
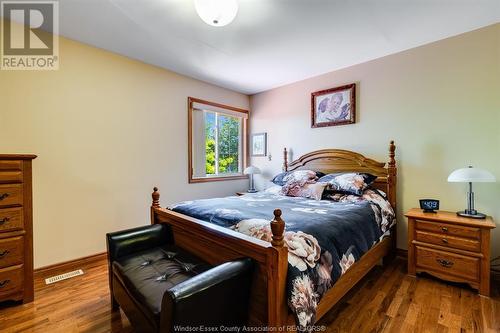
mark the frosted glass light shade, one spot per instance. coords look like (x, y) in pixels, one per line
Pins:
(471, 175)
(251, 170)
(217, 13)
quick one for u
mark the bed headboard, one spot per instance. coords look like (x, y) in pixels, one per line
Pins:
(339, 160)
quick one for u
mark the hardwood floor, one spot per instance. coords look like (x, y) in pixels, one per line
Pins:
(80, 304)
(387, 300)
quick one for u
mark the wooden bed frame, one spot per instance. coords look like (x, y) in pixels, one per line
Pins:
(268, 304)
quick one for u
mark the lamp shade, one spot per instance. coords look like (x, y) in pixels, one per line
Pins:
(252, 170)
(471, 175)
(217, 13)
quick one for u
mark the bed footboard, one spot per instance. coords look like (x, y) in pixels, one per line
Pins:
(216, 244)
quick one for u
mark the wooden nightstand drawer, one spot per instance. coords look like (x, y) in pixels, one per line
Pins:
(11, 280)
(449, 264)
(11, 195)
(11, 219)
(449, 241)
(448, 229)
(11, 251)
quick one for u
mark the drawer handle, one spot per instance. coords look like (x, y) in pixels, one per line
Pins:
(4, 283)
(444, 229)
(4, 196)
(4, 253)
(445, 263)
(445, 240)
(5, 219)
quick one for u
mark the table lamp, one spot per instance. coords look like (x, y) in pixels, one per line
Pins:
(251, 170)
(471, 175)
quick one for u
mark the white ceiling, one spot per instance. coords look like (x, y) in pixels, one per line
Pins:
(271, 42)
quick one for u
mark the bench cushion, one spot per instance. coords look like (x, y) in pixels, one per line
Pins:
(148, 274)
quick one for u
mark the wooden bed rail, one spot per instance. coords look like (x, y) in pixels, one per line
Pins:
(216, 244)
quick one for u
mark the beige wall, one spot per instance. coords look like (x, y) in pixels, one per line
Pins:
(106, 130)
(439, 102)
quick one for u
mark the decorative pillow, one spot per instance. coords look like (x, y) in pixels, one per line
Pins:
(310, 190)
(274, 189)
(281, 178)
(349, 183)
(384, 214)
(341, 197)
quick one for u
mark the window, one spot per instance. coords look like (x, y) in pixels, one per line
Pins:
(217, 138)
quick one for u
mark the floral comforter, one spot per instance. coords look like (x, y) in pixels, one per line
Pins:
(324, 238)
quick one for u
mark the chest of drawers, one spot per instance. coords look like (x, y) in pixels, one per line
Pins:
(450, 247)
(16, 228)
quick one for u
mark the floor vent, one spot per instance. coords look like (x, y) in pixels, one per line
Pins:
(64, 276)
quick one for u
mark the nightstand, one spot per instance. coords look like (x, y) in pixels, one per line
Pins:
(450, 247)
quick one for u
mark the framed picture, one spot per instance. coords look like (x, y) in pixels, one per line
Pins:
(259, 144)
(335, 106)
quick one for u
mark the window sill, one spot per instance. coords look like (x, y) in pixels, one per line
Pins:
(216, 178)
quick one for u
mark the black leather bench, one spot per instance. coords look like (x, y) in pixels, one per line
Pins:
(160, 286)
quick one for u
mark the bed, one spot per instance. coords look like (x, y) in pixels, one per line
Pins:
(216, 243)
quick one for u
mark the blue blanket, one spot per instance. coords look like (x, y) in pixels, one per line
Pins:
(324, 238)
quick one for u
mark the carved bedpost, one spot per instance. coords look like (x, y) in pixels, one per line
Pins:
(156, 198)
(278, 228)
(392, 154)
(285, 160)
(391, 174)
(277, 263)
(155, 204)
(391, 184)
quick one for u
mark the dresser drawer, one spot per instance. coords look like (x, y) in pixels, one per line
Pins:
(11, 251)
(10, 165)
(11, 280)
(449, 264)
(448, 229)
(7, 177)
(444, 239)
(11, 194)
(11, 219)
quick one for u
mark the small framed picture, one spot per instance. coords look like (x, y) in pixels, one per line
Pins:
(335, 106)
(259, 144)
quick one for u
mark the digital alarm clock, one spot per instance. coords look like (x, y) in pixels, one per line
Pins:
(429, 205)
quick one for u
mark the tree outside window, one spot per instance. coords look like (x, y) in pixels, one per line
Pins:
(222, 143)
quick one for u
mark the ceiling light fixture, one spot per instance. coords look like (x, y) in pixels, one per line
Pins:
(217, 13)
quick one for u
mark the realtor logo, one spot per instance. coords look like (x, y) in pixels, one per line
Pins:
(29, 35)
